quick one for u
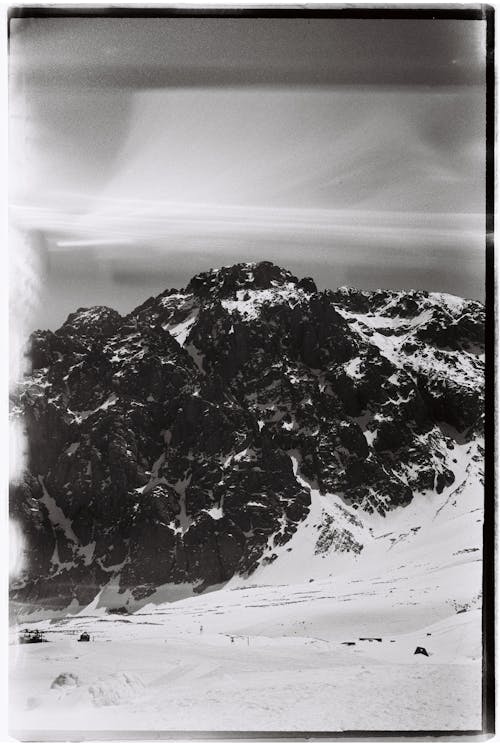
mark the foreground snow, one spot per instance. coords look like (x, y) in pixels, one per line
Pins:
(267, 659)
(249, 685)
(267, 653)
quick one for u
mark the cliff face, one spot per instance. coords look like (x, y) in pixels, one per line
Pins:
(179, 444)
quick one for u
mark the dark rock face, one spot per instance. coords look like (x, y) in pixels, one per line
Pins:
(159, 444)
(226, 282)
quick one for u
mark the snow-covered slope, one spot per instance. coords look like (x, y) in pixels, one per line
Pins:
(327, 654)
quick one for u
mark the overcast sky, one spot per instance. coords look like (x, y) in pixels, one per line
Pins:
(146, 150)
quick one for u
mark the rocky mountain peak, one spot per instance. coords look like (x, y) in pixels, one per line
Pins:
(183, 444)
(227, 281)
(94, 321)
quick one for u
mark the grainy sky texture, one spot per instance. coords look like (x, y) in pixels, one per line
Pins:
(146, 150)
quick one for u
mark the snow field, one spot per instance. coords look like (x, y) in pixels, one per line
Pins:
(206, 681)
(266, 653)
(264, 658)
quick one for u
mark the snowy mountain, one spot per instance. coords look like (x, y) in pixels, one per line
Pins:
(246, 429)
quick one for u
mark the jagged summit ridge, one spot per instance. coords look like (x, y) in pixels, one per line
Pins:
(227, 281)
(182, 443)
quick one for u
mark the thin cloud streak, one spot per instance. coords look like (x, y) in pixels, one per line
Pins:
(93, 242)
(128, 221)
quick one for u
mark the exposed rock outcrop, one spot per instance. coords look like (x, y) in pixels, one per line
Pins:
(159, 443)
